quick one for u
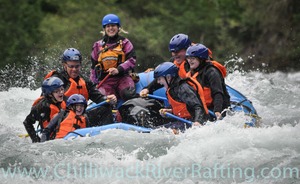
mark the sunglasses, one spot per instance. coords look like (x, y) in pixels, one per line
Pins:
(73, 66)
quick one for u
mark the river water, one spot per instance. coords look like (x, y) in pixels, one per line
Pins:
(224, 152)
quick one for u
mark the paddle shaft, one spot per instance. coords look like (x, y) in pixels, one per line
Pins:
(93, 106)
(101, 82)
(178, 118)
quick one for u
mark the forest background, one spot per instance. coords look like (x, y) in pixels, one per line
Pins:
(263, 35)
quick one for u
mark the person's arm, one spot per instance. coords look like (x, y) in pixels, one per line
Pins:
(39, 112)
(94, 62)
(194, 105)
(153, 86)
(51, 127)
(215, 83)
(94, 94)
(88, 123)
(28, 124)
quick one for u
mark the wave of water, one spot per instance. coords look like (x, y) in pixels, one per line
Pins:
(224, 152)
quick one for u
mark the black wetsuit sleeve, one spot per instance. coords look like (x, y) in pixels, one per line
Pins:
(215, 82)
(51, 127)
(94, 94)
(88, 123)
(40, 113)
(194, 105)
(153, 86)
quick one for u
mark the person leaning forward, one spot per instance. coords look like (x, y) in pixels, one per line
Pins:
(186, 99)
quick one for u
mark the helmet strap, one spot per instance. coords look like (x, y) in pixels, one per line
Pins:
(168, 83)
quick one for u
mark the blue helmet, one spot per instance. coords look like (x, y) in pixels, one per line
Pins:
(164, 69)
(197, 50)
(178, 42)
(76, 99)
(50, 84)
(71, 54)
(110, 19)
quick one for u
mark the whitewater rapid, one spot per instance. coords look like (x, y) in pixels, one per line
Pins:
(224, 152)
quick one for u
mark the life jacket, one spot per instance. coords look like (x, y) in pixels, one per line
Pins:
(53, 110)
(221, 68)
(69, 124)
(74, 87)
(206, 90)
(181, 69)
(110, 56)
(179, 108)
(77, 88)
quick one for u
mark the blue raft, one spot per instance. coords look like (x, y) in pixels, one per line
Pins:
(239, 103)
(92, 131)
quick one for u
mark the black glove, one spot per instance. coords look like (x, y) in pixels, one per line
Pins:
(36, 139)
(45, 135)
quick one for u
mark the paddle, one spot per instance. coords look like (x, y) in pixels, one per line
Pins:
(157, 97)
(212, 114)
(178, 118)
(101, 82)
(94, 105)
(27, 135)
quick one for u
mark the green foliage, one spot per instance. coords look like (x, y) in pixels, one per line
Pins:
(19, 30)
(267, 31)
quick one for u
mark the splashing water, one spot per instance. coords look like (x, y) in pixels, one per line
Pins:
(224, 152)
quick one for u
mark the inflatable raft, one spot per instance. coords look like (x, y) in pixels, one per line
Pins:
(239, 103)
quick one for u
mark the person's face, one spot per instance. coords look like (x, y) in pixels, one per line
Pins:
(72, 68)
(111, 29)
(58, 94)
(162, 81)
(193, 62)
(79, 108)
(179, 56)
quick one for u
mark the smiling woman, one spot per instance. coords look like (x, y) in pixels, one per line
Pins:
(113, 56)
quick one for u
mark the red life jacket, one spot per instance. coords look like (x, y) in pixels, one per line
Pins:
(179, 108)
(53, 110)
(74, 87)
(206, 90)
(181, 69)
(77, 88)
(67, 125)
(221, 68)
